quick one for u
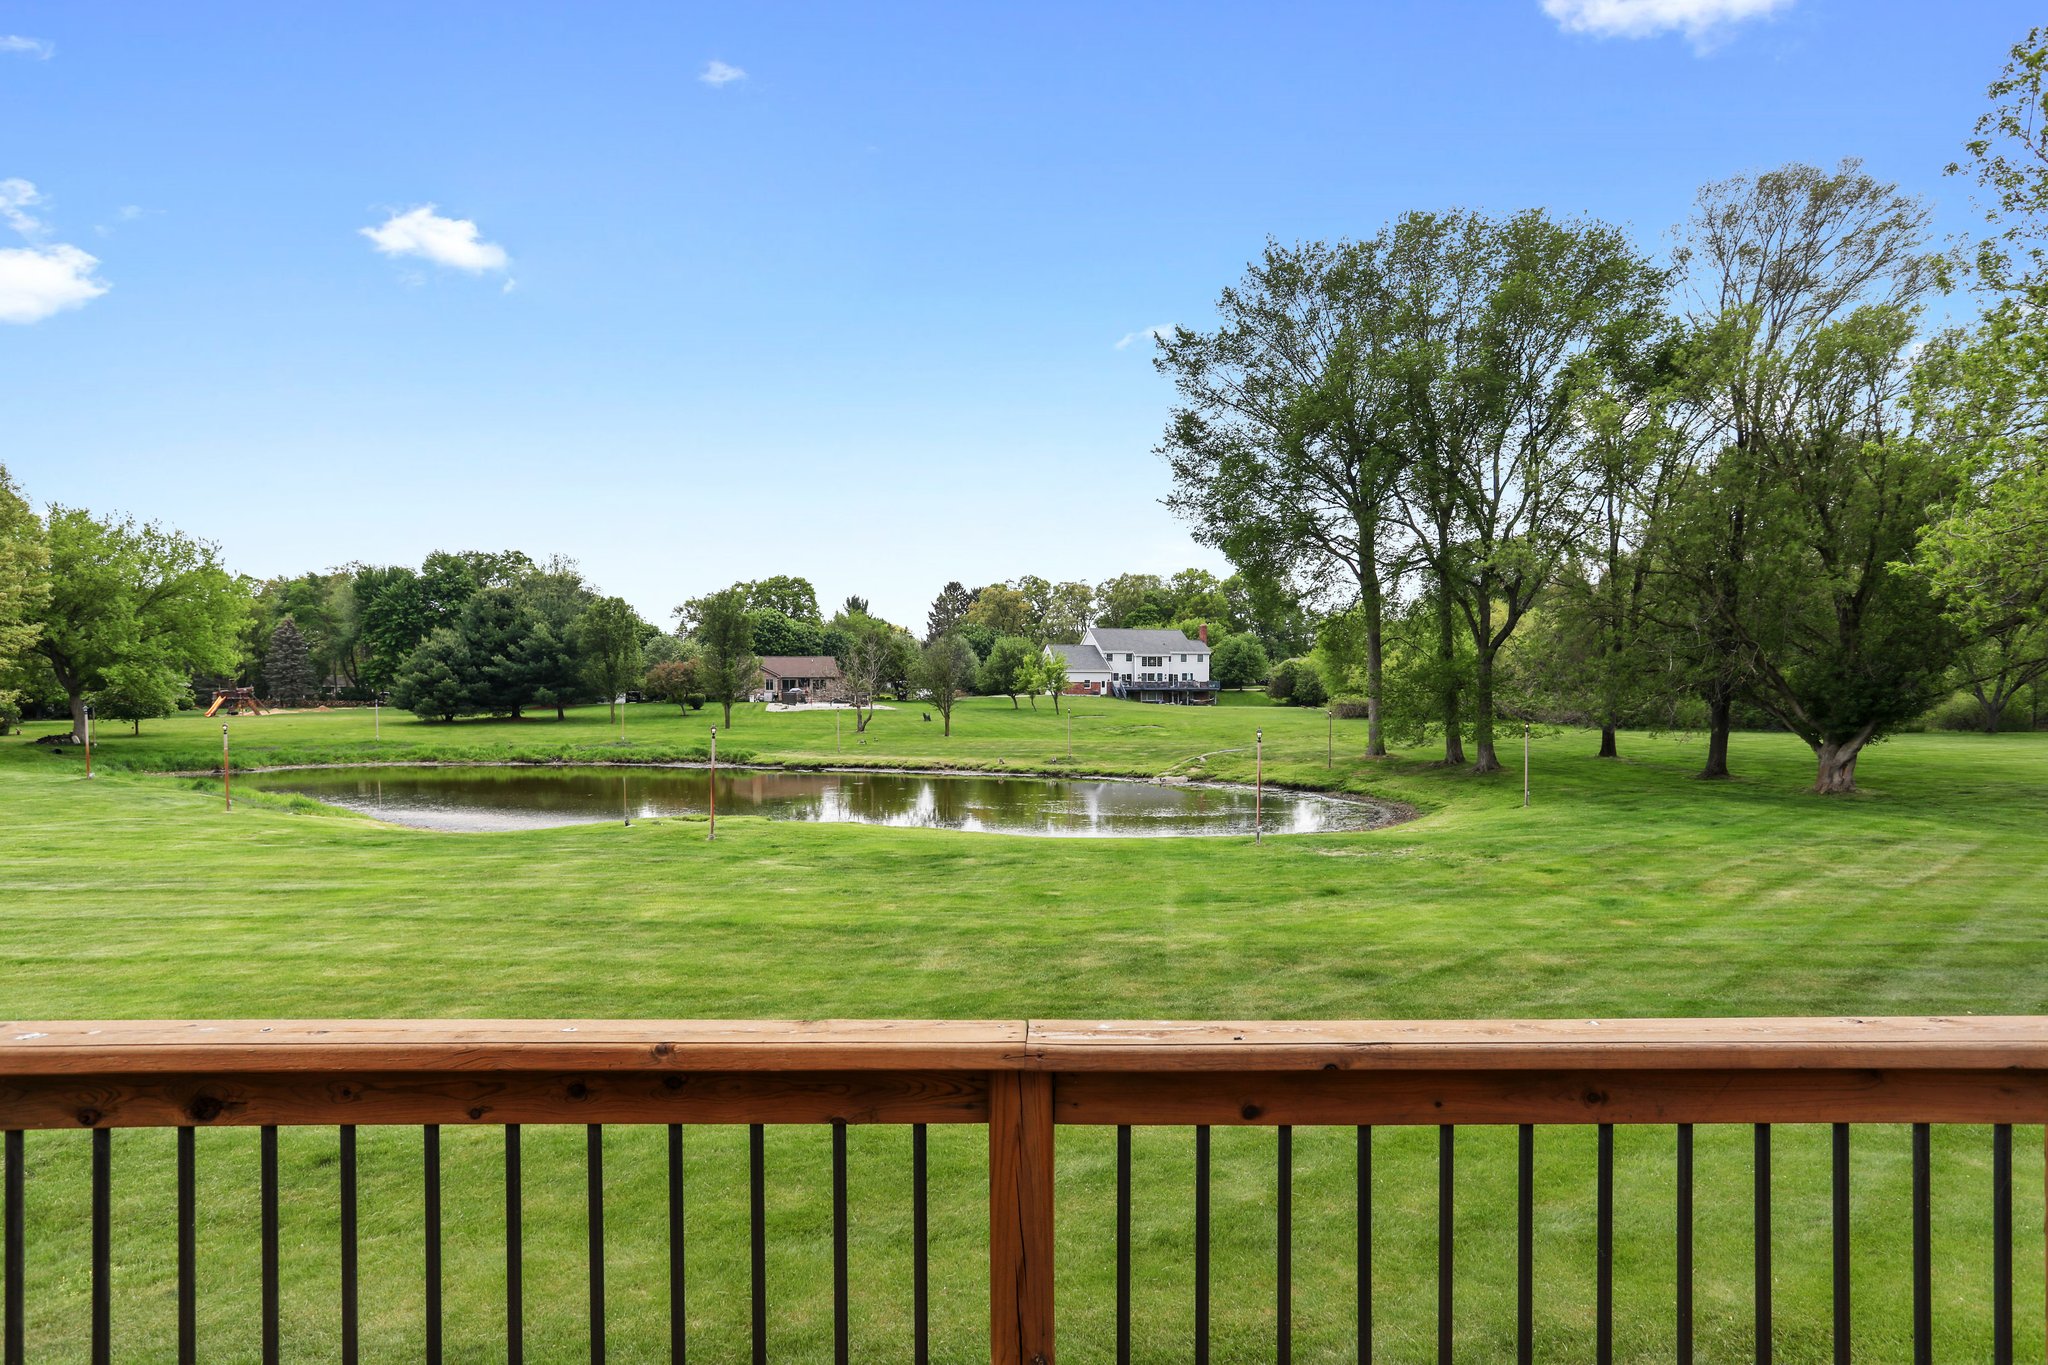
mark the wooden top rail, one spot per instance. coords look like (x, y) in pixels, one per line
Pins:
(231, 1047)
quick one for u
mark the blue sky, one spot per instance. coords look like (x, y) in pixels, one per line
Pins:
(866, 305)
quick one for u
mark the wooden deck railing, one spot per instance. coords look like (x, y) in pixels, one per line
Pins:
(1022, 1080)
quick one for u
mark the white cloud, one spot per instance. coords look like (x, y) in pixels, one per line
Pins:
(445, 241)
(717, 73)
(38, 281)
(34, 47)
(1700, 20)
(17, 197)
(1159, 333)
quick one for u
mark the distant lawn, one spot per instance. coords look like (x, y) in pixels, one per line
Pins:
(1626, 889)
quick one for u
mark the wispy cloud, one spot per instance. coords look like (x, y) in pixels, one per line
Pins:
(1704, 22)
(1130, 339)
(716, 73)
(17, 197)
(31, 47)
(426, 235)
(38, 280)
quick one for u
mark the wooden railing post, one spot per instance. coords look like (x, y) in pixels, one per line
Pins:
(1020, 1218)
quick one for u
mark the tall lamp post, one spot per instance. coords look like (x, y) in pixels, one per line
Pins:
(713, 834)
(1259, 796)
(88, 741)
(1525, 765)
(227, 777)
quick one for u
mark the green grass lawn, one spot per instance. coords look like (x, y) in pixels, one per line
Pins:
(1625, 889)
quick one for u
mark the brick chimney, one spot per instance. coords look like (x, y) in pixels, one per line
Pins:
(1203, 631)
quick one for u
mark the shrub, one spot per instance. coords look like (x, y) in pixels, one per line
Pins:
(1350, 708)
(1308, 686)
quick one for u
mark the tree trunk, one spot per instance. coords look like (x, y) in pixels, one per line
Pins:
(1837, 771)
(561, 713)
(1607, 746)
(1720, 720)
(947, 716)
(1482, 710)
(728, 715)
(77, 717)
(1991, 704)
(1447, 657)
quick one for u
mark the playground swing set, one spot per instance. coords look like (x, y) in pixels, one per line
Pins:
(236, 700)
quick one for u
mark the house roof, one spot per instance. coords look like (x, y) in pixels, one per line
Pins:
(1081, 658)
(1145, 641)
(800, 665)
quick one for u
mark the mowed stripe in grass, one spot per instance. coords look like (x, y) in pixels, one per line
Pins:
(1626, 889)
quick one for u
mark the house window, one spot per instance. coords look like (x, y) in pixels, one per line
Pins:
(1183, 658)
(1154, 660)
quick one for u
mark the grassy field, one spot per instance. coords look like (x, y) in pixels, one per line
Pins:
(1625, 889)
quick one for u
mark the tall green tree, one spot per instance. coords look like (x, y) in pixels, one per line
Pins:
(725, 632)
(1288, 446)
(133, 594)
(1778, 269)
(1502, 327)
(1806, 286)
(608, 637)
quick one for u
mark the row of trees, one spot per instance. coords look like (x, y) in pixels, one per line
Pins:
(1534, 468)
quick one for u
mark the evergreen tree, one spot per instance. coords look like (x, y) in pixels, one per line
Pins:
(949, 609)
(288, 666)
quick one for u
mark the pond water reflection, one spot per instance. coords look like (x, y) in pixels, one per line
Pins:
(506, 798)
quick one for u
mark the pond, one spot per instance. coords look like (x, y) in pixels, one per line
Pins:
(506, 798)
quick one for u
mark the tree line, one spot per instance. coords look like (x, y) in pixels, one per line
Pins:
(1529, 470)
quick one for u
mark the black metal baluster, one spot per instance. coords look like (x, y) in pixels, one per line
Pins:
(840, 1353)
(1841, 1233)
(593, 1155)
(515, 1309)
(678, 1325)
(1923, 1248)
(2001, 1244)
(188, 1249)
(1123, 1244)
(1364, 1245)
(1603, 1252)
(349, 1337)
(1202, 1245)
(920, 1266)
(102, 1245)
(757, 1193)
(430, 1137)
(1446, 1152)
(267, 1163)
(1763, 1244)
(1684, 1312)
(1285, 1295)
(1525, 1244)
(13, 1333)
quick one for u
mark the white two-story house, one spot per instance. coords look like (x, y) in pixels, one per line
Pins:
(1142, 665)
